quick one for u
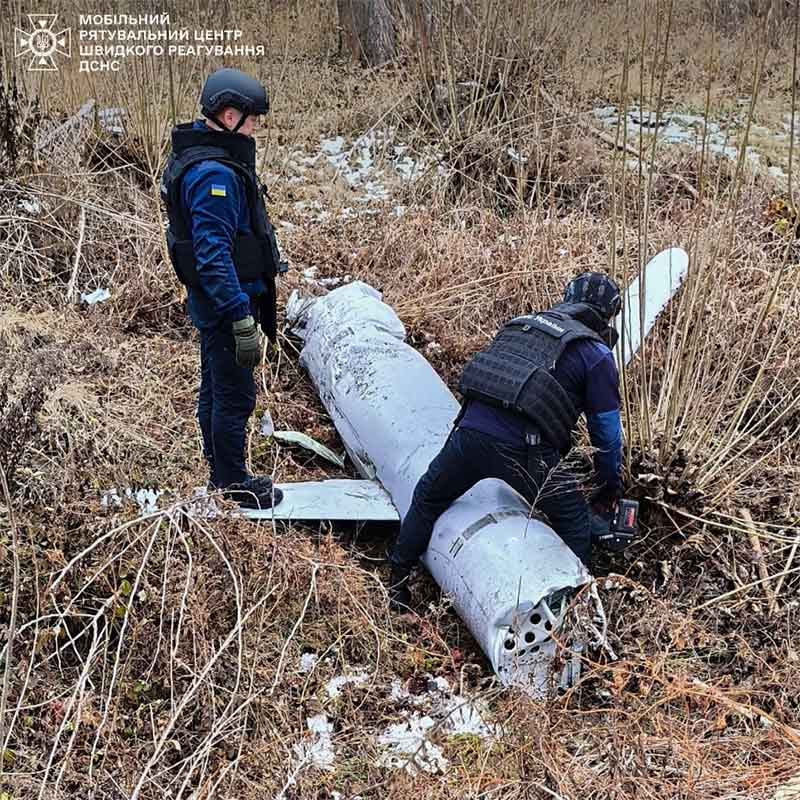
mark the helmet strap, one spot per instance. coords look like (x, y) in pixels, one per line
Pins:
(610, 337)
(214, 118)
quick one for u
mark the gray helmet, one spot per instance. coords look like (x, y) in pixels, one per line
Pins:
(597, 290)
(231, 87)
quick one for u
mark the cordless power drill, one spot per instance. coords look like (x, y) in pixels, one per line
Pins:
(622, 527)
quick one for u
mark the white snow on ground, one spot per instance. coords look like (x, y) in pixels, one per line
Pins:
(368, 164)
(308, 661)
(31, 206)
(408, 743)
(515, 155)
(318, 750)
(146, 499)
(466, 716)
(406, 746)
(335, 685)
(97, 296)
(790, 790)
(679, 128)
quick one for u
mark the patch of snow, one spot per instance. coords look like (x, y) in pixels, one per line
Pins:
(375, 190)
(202, 505)
(406, 746)
(318, 752)
(110, 498)
(466, 716)
(789, 790)
(515, 155)
(32, 206)
(332, 147)
(401, 695)
(97, 296)
(335, 685)
(407, 167)
(606, 112)
(398, 692)
(111, 120)
(306, 206)
(776, 172)
(690, 129)
(307, 662)
(146, 499)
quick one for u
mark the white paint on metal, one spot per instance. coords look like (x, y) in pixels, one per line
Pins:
(646, 297)
(336, 500)
(394, 414)
(508, 574)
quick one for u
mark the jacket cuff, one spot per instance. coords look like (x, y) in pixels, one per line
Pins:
(238, 312)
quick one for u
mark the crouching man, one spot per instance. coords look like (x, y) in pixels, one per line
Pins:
(523, 396)
(222, 246)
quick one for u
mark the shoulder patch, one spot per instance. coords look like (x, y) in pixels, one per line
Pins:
(218, 190)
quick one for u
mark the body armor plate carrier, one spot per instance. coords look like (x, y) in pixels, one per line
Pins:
(515, 371)
(255, 255)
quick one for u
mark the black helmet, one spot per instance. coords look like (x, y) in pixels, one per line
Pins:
(231, 87)
(597, 290)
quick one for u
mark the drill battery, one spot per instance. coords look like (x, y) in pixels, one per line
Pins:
(623, 527)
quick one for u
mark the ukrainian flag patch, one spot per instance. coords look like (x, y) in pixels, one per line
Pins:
(218, 190)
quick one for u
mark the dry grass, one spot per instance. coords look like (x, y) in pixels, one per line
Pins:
(158, 656)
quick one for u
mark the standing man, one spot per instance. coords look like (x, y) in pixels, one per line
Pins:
(223, 248)
(523, 396)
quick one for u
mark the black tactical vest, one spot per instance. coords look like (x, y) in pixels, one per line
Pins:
(255, 255)
(515, 371)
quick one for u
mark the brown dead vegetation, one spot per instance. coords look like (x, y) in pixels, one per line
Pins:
(157, 656)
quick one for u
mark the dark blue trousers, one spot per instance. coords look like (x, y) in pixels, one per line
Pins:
(227, 399)
(470, 456)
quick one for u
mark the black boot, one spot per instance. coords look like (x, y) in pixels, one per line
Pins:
(399, 593)
(254, 492)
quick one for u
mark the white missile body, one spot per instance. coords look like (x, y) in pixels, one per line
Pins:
(507, 573)
(497, 563)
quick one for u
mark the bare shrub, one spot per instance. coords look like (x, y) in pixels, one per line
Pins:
(19, 425)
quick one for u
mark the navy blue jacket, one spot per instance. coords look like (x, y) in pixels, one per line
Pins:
(216, 199)
(588, 373)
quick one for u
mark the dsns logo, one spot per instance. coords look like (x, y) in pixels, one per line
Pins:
(42, 43)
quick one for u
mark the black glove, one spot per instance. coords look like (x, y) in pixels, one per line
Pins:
(604, 499)
(249, 342)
